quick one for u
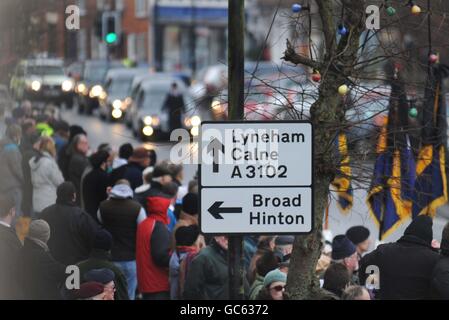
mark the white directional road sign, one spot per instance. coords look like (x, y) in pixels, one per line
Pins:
(256, 177)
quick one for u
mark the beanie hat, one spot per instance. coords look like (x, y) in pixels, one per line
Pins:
(65, 192)
(103, 240)
(284, 240)
(421, 227)
(87, 290)
(160, 171)
(103, 276)
(274, 276)
(98, 158)
(357, 234)
(75, 130)
(190, 203)
(40, 230)
(186, 236)
(342, 247)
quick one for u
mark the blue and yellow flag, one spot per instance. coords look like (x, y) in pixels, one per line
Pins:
(342, 180)
(430, 190)
(389, 198)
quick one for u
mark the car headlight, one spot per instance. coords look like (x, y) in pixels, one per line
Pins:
(67, 85)
(195, 131)
(36, 85)
(117, 104)
(81, 88)
(195, 121)
(156, 121)
(117, 113)
(147, 131)
(96, 91)
(148, 120)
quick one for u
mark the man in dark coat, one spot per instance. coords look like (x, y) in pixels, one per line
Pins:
(100, 258)
(64, 154)
(133, 171)
(29, 150)
(405, 266)
(73, 230)
(95, 183)
(78, 161)
(174, 103)
(41, 276)
(207, 278)
(440, 275)
(10, 247)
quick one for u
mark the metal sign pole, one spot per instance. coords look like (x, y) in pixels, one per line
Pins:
(236, 35)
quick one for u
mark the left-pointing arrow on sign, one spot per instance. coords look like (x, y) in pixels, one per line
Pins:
(216, 210)
(214, 147)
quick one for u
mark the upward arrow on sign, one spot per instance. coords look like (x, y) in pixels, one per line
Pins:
(214, 147)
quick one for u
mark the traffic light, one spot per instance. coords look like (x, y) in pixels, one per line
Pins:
(111, 28)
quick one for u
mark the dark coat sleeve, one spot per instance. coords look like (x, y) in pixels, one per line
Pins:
(196, 279)
(160, 245)
(365, 262)
(440, 283)
(87, 228)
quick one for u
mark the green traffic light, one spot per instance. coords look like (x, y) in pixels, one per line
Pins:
(111, 37)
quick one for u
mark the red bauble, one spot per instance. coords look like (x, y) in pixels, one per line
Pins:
(316, 77)
(433, 58)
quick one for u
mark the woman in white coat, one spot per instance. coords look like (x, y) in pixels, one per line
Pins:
(45, 175)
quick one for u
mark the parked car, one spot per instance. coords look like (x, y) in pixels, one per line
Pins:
(42, 80)
(118, 92)
(151, 120)
(91, 87)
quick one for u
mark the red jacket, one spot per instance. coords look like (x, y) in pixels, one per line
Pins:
(152, 277)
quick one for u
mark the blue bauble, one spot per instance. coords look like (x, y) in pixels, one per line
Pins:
(342, 31)
(296, 7)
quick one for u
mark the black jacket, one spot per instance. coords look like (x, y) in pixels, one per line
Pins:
(440, 275)
(94, 188)
(405, 268)
(10, 247)
(77, 164)
(72, 232)
(41, 276)
(27, 201)
(131, 172)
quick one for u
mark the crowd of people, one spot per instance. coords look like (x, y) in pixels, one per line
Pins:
(129, 224)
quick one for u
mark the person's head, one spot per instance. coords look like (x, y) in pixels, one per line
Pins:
(47, 145)
(74, 131)
(104, 276)
(177, 171)
(186, 236)
(147, 175)
(355, 293)
(103, 240)
(171, 189)
(190, 204)
(28, 127)
(39, 230)
(81, 144)
(222, 241)
(284, 244)
(193, 186)
(274, 281)
(7, 208)
(344, 252)
(125, 151)
(14, 133)
(121, 190)
(99, 160)
(62, 128)
(161, 174)
(421, 228)
(266, 263)
(89, 291)
(174, 86)
(66, 193)
(266, 243)
(445, 240)
(359, 236)
(336, 278)
(140, 156)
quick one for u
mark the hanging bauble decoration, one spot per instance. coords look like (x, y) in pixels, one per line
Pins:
(316, 76)
(433, 58)
(342, 30)
(391, 11)
(343, 90)
(413, 112)
(416, 10)
(296, 7)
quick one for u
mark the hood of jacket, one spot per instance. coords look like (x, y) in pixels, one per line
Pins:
(121, 191)
(35, 165)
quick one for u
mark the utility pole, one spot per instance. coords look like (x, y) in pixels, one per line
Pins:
(236, 32)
